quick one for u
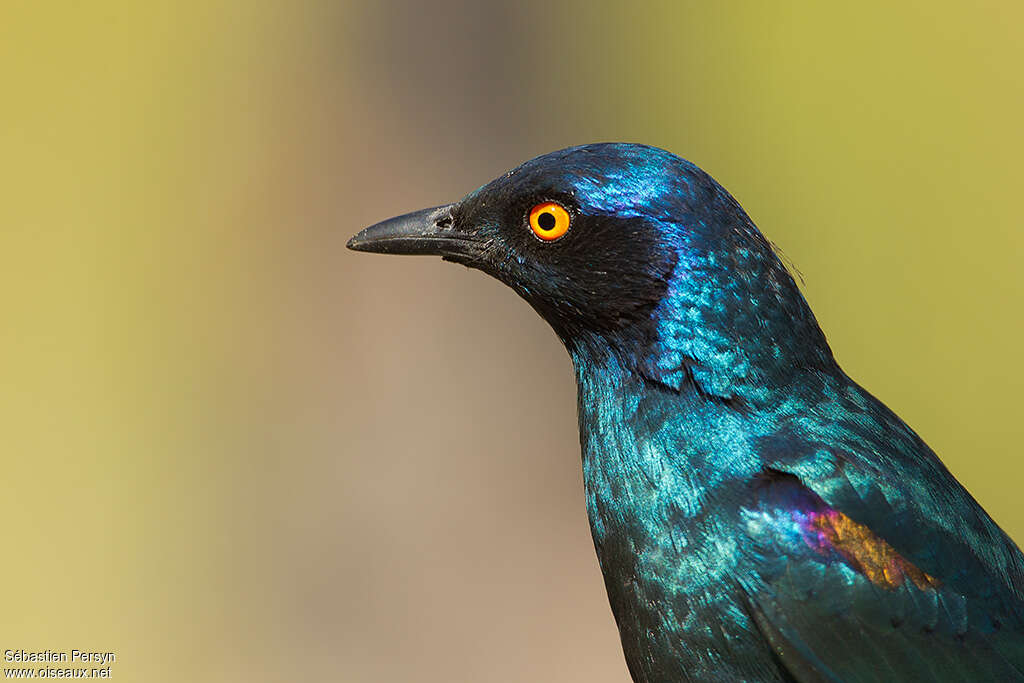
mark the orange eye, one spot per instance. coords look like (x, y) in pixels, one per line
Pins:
(549, 221)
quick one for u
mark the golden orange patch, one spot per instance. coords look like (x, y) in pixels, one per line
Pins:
(869, 554)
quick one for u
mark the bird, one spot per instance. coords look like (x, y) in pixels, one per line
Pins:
(757, 515)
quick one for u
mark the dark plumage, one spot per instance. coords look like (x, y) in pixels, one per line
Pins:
(757, 515)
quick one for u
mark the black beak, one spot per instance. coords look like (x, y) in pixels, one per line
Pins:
(430, 231)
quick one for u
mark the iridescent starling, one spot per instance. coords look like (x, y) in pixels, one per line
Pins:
(758, 516)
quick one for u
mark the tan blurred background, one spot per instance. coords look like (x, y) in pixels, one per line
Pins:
(234, 451)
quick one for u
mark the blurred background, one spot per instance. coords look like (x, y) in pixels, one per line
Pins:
(234, 451)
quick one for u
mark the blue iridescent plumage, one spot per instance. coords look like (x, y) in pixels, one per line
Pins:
(757, 515)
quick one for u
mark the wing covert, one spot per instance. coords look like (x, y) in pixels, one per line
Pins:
(838, 602)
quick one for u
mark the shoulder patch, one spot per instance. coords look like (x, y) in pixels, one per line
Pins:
(830, 531)
(795, 514)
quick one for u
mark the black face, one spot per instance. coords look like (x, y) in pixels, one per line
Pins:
(604, 274)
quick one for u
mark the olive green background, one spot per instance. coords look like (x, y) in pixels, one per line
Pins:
(234, 451)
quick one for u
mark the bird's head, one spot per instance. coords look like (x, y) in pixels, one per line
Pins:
(630, 250)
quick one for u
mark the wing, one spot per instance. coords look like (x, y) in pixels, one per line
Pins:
(873, 563)
(839, 603)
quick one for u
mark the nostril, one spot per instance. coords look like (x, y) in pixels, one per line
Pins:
(444, 221)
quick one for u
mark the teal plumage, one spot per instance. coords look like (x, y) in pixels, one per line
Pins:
(757, 515)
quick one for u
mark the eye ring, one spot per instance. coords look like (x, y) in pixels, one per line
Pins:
(549, 221)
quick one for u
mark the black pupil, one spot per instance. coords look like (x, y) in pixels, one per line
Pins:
(546, 221)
